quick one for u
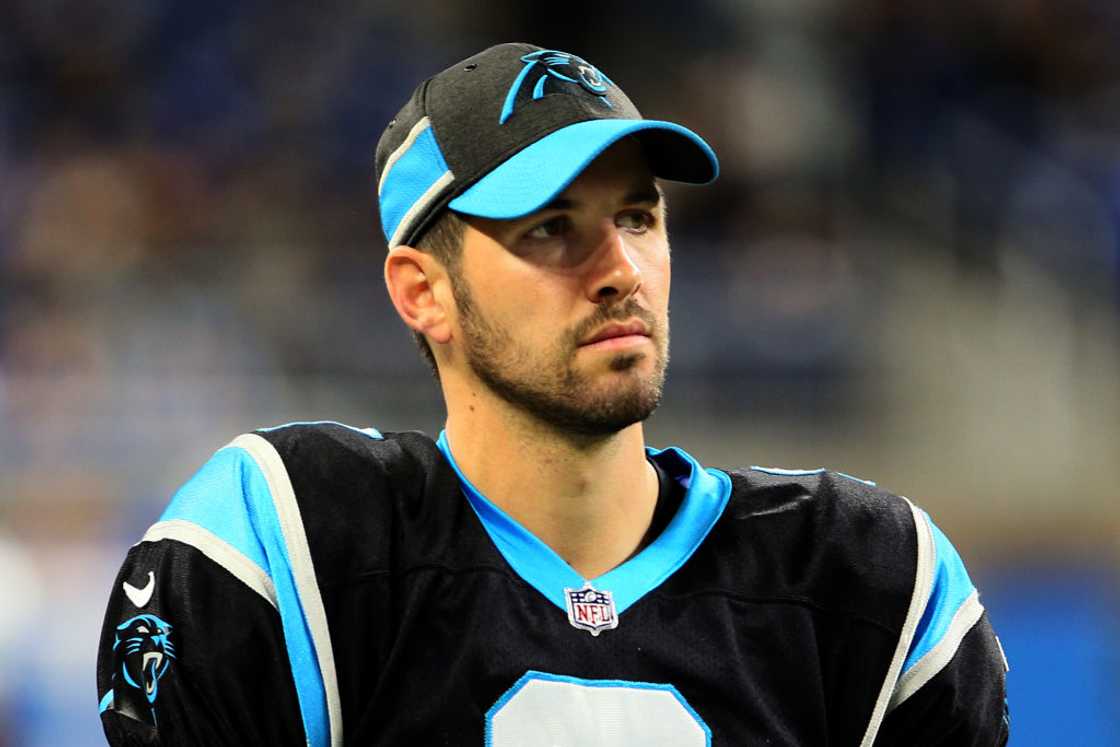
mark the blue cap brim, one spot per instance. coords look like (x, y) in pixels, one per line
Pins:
(537, 174)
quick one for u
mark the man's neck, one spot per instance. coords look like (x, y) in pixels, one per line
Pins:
(590, 500)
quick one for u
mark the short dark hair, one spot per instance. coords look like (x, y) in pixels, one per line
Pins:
(444, 241)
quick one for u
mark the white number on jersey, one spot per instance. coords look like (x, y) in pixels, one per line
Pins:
(550, 709)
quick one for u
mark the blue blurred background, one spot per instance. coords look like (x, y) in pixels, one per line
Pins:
(909, 270)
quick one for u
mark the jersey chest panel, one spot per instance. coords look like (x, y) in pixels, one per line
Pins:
(432, 629)
(751, 670)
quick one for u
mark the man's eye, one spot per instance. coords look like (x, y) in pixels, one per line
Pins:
(635, 220)
(549, 229)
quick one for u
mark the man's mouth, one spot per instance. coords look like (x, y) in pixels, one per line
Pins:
(618, 335)
(616, 343)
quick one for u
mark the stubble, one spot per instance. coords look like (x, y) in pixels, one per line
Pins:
(549, 387)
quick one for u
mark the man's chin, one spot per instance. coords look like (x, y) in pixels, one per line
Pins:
(618, 417)
(594, 407)
(619, 404)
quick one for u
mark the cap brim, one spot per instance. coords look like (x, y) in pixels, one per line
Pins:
(538, 173)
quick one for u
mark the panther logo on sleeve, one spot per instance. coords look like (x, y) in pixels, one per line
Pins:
(143, 653)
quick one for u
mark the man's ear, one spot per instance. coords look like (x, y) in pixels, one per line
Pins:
(415, 279)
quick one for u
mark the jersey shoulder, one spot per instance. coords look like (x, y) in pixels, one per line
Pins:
(834, 541)
(356, 488)
(844, 544)
(323, 446)
(326, 455)
(335, 488)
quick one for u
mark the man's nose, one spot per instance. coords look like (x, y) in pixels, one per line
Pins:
(614, 275)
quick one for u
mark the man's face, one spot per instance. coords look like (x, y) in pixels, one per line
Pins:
(564, 313)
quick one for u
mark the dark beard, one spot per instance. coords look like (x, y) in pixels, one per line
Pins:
(556, 400)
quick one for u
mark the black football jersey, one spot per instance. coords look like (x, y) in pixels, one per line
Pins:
(326, 585)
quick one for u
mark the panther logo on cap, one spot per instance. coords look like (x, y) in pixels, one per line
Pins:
(561, 68)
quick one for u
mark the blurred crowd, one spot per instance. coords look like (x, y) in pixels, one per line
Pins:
(909, 266)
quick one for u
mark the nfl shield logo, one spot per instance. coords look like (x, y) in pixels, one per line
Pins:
(590, 609)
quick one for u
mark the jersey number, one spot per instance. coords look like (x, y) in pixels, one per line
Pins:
(550, 709)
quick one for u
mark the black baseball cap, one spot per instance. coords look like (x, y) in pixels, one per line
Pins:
(502, 133)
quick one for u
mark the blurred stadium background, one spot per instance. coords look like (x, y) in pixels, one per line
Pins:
(909, 270)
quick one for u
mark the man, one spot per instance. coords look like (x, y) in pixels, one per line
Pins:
(537, 576)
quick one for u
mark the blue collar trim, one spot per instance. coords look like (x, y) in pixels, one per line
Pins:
(706, 496)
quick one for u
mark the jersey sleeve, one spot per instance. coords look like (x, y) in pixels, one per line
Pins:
(205, 639)
(951, 689)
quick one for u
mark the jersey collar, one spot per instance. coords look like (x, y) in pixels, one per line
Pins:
(706, 495)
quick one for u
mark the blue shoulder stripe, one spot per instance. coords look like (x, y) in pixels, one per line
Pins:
(231, 498)
(224, 497)
(951, 589)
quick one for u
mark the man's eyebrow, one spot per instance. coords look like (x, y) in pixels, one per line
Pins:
(644, 194)
(649, 193)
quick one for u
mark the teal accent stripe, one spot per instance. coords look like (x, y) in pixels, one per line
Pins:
(706, 497)
(106, 702)
(408, 179)
(533, 560)
(230, 497)
(951, 588)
